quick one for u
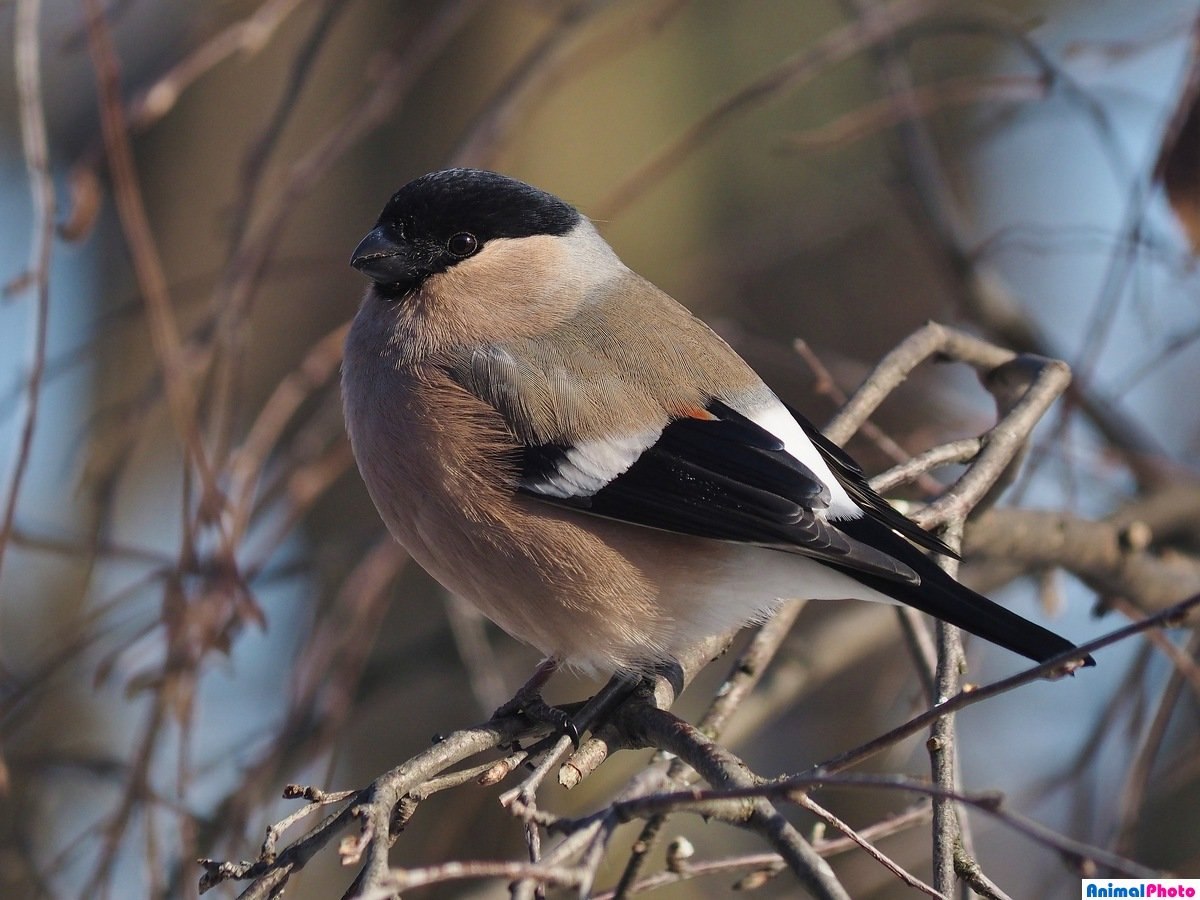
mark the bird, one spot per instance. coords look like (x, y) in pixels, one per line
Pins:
(563, 445)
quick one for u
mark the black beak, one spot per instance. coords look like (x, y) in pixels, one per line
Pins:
(384, 257)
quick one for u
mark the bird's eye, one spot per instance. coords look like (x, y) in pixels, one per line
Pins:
(462, 244)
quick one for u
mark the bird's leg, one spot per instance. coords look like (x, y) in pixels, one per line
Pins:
(528, 702)
(533, 687)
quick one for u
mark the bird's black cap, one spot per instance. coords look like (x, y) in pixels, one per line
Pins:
(436, 220)
(486, 204)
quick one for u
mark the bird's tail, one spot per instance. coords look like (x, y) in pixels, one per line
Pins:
(944, 598)
(941, 596)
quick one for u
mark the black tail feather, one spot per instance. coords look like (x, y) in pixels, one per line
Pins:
(941, 596)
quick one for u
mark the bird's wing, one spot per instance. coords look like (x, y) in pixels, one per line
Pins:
(854, 482)
(586, 437)
(707, 471)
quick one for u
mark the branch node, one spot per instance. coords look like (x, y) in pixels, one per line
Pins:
(350, 848)
(1135, 537)
(679, 851)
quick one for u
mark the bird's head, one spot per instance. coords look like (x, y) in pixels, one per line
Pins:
(442, 220)
(463, 257)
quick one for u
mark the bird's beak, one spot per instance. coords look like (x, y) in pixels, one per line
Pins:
(382, 256)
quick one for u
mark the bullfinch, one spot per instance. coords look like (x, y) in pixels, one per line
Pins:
(560, 443)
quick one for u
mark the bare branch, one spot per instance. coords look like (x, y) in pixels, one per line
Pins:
(248, 35)
(922, 102)
(164, 332)
(1050, 668)
(870, 849)
(27, 58)
(1074, 852)
(1098, 553)
(784, 78)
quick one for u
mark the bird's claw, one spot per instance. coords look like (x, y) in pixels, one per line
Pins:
(533, 708)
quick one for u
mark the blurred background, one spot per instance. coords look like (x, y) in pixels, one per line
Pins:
(198, 604)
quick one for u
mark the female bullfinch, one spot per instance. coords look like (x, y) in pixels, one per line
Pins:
(562, 444)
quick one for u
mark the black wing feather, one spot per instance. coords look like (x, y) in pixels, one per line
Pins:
(852, 479)
(724, 478)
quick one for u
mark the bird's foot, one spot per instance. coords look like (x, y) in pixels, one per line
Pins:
(528, 702)
(533, 708)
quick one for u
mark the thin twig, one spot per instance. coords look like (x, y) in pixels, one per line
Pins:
(259, 153)
(537, 70)
(984, 296)
(963, 699)
(764, 865)
(372, 806)
(1182, 659)
(1076, 852)
(828, 385)
(397, 74)
(719, 767)
(942, 744)
(164, 331)
(27, 59)
(406, 879)
(866, 846)
(925, 343)
(251, 180)
(960, 451)
(247, 35)
(245, 468)
(1137, 780)
(924, 101)
(782, 79)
